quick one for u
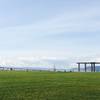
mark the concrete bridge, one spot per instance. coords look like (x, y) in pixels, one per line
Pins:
(93, 66)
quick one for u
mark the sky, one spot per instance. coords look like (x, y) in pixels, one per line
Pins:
(47, 32)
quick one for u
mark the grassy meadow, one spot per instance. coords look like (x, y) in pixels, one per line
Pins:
(20, 85)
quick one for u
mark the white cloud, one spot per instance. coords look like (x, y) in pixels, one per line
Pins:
(82, 20)
(76, 20)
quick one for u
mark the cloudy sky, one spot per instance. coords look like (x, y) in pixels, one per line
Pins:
(45, 32)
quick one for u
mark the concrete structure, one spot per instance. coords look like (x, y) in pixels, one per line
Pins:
(93, 64)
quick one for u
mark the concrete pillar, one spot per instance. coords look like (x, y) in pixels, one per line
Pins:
(85, 67)
(78, 67)
(92, 67)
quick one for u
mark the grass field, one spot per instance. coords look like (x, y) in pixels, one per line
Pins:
(20, 85)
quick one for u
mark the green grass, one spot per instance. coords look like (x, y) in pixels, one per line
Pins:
(20, 85)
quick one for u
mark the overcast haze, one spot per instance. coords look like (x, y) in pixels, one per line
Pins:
(44, 31)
